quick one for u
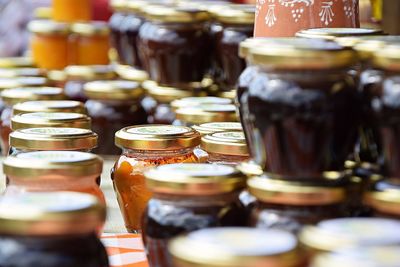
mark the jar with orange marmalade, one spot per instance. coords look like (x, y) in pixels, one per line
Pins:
(71, 10)
(48, 171)
(49, 44)
(144, 147)
(89, 43)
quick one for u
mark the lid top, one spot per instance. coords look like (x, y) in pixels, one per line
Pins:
(90, 72)
(18, 72)
(194, 179)
(90, 29)
(48, 27)
(157, 137)
(177, 14)
(234, 246)
(226, 143)
(331, 33)
(50, 119)
(49, 106)
(114, 90)
(213, 127)
(131, 74)
(166, 94)
(21, 94)
(7, 83)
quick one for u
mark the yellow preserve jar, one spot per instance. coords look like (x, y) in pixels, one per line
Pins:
(144, 147)
(50, 106)
(71, 10)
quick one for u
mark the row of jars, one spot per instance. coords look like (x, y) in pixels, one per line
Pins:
(182, 44)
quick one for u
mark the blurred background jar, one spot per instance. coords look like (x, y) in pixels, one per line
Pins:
(71, 10)
(64, 221)
(48, 171)
(197, 196)
(144, 147)
(113, 105)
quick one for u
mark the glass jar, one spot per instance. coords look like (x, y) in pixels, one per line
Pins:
(17, 95)
(383, 199)
(144, 147)
(89, 43)
(54, 119)
(48, 171)
(51, 106)
(237, 23)
(205, 113)
(49, 44)
(237, 247)
(119, 14)
(51, 229)
(174, 45)
(290, 205)
(301, 113)
(202, 195)
(225, 147)
(50, 139)
(71, 10)
(77, 76)
(113, 105)
(216, 127)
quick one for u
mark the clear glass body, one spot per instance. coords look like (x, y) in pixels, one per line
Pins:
(50, 51)
(129, 180)
(71, 10)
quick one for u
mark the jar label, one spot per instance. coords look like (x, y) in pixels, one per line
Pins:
(56, 131)
(223, 125)
(200, 170)
(57, 156)
(230, 135)
(159, 130)
(245, 241)
(53, 115)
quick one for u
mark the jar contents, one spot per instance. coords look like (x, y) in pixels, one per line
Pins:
(71, 10)
(144, 147)
(187, 197)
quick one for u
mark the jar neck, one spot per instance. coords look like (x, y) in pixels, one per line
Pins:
(197, 201)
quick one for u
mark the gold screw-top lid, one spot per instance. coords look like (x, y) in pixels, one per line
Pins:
(53, 139)
(49, 27)
(294, 193)
(157, 137)
(68, 106)
(236, 14)
(113, 90)
(388, 57)
(131, 74)
(198, 101)
(236, 247)
(137, 6)
(20, 72)
(384, 198)
(7, 83)
(57, 119)
(337, 234)
(16, 62)
(385, 256)
(90, 72)
(50, 214)
(194, 179)
(171, 14)
(22, 94)
(56, 76)
(225, 143)
(215, 127)
(90, 29)
(300, 54)
(47, 164)
(333, 33)
(165, 94)
(207, 113)
(231, 94)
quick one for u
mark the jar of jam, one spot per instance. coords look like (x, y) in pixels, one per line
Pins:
(77, 76)
(144, 147)
(71, 11)
(47, 171)
(216, 127)
(51, 229)
(194, 196)
(50, 138)
(287, 105)
(119, 14)
(17, 95)
(225, 147)
(183, 60)
(49, 44)
(56, 119)
(291, 205)
(383, 199)
(237, 23)
(89, 43)
(237, 247)
(205, 113)
(113, 105)
(50, 106)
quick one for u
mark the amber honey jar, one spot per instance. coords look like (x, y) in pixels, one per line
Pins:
(197, 196)
(51, 138)
(45, 229)
(181, 61)
(89, 43)
(49, 106)
(144, 147)
(215, 127)
(225, 147)
(190, 116)
(45, 171)
(237, 247)
(113, 105)
(78, 75)
(71, 10)
(49, 44)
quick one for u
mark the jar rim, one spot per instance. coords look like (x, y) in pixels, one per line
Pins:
(214, 127)
(16, 62)
(175, 14)
(96, 28)
(54, 119)
(113, 90)
(90, 72)
(207, 113)
(22, 94)
(332, 33)
(49, 106)
(48, 27)
(166, 94)
(232, 143)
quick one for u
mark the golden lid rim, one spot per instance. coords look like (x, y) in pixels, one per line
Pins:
(332, 33)
(22, 94)
(199, 115)
(225, 143)
(166, 94)
(384, 201)
(113, 90)
(174, 15)
(96, 28)
(131, 74)
(18, 72)
(69, 106)
(234, 15)
(214, 127)
(56, 119)
(16, 62)
(90, 72)
(48, 27)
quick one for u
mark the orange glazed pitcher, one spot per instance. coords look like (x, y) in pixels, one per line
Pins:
(283, 18)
